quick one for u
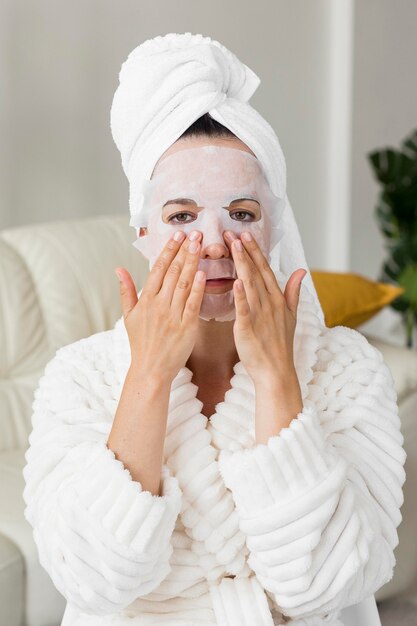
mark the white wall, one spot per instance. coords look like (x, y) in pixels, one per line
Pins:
(384, 112)
(62, 66)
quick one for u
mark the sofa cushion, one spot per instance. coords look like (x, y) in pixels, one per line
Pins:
(11, 584)
(57, 286)
(44, 604)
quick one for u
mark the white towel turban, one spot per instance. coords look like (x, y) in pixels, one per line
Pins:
(165, 85)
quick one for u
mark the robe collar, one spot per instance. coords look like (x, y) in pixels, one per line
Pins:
(241, 395)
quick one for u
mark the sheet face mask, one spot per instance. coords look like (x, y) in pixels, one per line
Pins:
(212, 179)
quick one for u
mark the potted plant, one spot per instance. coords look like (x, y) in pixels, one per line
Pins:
(396, 212)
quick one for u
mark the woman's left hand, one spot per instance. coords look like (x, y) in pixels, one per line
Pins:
(266, 318)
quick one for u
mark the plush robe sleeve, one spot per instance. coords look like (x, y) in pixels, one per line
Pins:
(101, 537)
(320, 502)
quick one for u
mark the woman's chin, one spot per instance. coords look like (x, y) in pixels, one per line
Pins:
(220, 307)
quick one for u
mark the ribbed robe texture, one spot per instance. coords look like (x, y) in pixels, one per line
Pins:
(306, 524)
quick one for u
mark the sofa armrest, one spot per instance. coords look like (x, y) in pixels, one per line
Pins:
(402, 362)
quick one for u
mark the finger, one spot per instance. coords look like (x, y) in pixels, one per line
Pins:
(186, 278)
(257, 257)
(248, 273)
(128, 293)
(193, 304)
(174, 271)
(241, 304)
(293, 289)
(156, 276)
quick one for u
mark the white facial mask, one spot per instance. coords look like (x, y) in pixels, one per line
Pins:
(213, 178)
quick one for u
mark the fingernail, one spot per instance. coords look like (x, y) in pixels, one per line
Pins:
(193, 235)
(247, 236)
(178, 235)
(238, 245)
(119, 275)
(193, 247)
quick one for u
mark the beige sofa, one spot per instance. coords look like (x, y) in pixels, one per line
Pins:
(57, 284)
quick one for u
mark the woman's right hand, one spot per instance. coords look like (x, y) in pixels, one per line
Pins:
(162, 324)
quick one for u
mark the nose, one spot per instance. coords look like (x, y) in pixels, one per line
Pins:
(213, 244)
(215, 251)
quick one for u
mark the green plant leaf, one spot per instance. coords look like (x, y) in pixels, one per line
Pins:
(396, 213)
(408, 279)
(410, 145)
(395, 170)
(389, 274)
(388, 224)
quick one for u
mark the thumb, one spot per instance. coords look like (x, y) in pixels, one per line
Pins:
(292, 294)
(128, 294)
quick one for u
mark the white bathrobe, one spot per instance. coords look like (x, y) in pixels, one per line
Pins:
(306, 524)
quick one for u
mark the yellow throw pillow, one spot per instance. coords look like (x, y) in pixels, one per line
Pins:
(349, 299)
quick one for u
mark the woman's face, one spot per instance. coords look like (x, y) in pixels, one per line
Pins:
(212, 187)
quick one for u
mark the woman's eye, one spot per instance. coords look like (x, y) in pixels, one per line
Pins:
(243, 212)
(178, 215)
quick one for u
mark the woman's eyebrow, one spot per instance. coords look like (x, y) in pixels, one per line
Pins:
(179, 201)
(240, 200)
(187, 201)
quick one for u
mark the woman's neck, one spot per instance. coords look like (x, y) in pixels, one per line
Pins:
(214, 353)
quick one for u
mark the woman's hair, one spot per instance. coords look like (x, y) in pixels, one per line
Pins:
(206, 125)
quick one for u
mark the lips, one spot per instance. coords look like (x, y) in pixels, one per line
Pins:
(220, 283)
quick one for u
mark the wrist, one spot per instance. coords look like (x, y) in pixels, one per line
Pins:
(278, 402)
(274, 379)
(152, 381)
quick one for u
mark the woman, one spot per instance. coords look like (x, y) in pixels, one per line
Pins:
(220, 456)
